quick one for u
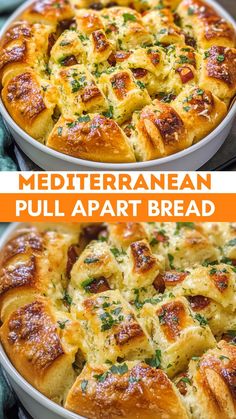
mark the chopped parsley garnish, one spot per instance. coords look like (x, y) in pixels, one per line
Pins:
(214, 271)
(62, 324)
(183, 59)
(91, 260)
(133, 379)
(64, 43)
(207, 263)
(71, 124)
(116, 252)
(116, 311)
(159, 6)
(167, 98)
(155, 361)
(62, 60)
(206, 54)
(231, 333)
(84, 385)
(161, 317)
(129, 17)
(163, 31)
(201, 319)
(82, 37)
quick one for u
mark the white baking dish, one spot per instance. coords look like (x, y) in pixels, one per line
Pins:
(189, 159)
(35, 403)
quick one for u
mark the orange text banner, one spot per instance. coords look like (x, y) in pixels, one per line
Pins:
(119, 207)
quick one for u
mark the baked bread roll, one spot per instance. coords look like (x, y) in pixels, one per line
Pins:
(126, 390)
(22, 43)
(32, 102)
(215, 282)
(161, 71)
(34, 263)
(210, 390)
(78, 92)
(35, 341)
(113, 331)
(172, 325)
(52, 12)
(89, 137)
(219, 72)
(205, 24)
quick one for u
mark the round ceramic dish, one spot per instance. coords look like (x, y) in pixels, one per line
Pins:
(189, 159)
(35, 403)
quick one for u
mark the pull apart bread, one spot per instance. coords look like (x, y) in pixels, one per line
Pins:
(126, 320)
(118, 82)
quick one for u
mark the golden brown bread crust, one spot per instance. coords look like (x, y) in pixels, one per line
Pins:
(91, 139)
(97, 317)
(25, 98)
(141, 392)
(124, 62)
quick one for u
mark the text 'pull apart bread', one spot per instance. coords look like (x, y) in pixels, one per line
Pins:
(124, 320)
(118, 83)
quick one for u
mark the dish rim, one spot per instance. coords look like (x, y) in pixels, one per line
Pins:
(89, 164)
